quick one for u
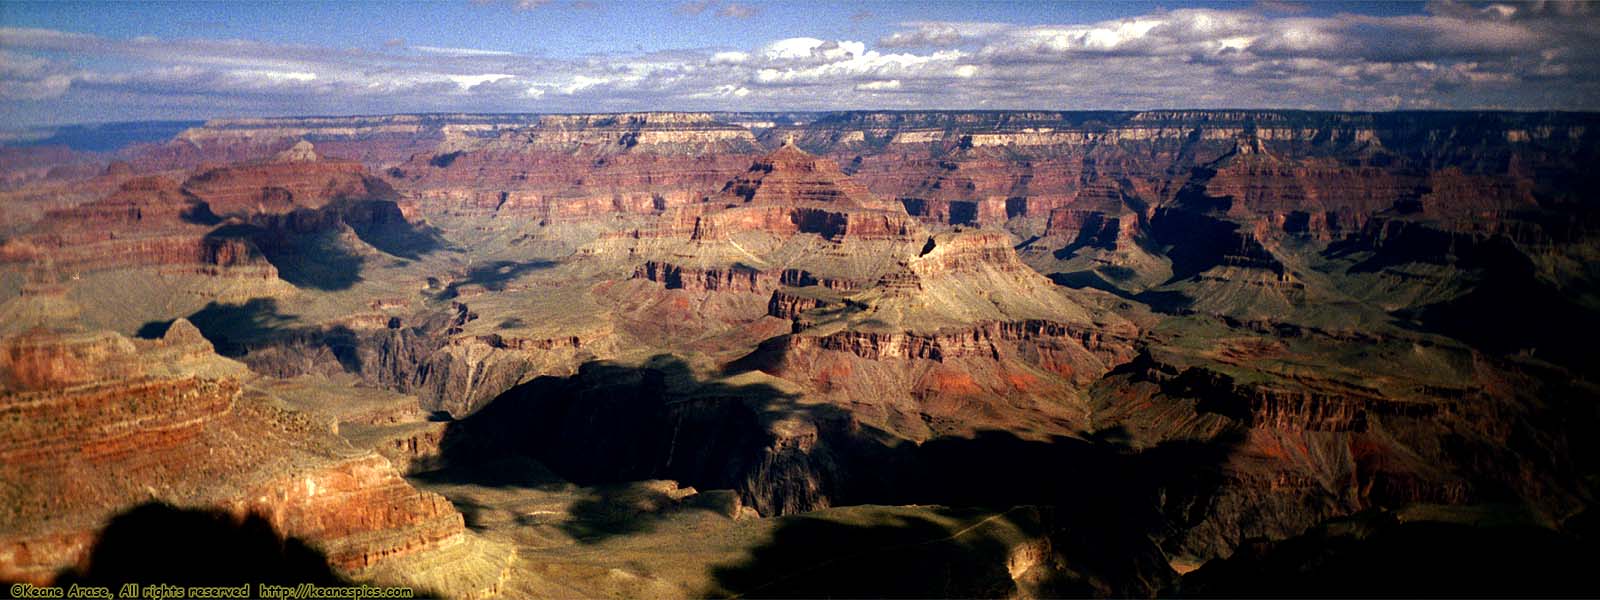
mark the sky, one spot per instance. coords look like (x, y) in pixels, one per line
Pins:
(82, 62)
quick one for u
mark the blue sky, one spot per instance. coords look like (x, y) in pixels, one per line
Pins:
(64, 62)
(567, 28)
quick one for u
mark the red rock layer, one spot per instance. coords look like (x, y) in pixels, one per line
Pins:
(789, 176)
(800, 278)
(203, 255)
(152, 221)
(561, 186)
(580, 166)
(732, 279)
(787, 305)
(968, 252)
(280, 187)
(98, 424)
(154, 200)
(1091, 227)
(980, 340)
(359, 511)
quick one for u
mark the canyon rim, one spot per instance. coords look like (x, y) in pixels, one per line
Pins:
(472, 304)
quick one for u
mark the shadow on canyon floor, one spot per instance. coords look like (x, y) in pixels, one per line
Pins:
(381, 225)
(317, 259)
(159, 543)
(1170, 302)
(1098, 506)
(234, 328)
(890, 556)
(1530, 318)
(607, 427)
(227, 326)
(308, 250)
(1532, 315)
(495, 275)
(1069, 518)
(1377, 554)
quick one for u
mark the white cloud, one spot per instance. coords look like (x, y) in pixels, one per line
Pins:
(273, 76)
(468, 81)
(877, 86)
(938, 34)
(1535, 56)
(791, 48)
(461, 51)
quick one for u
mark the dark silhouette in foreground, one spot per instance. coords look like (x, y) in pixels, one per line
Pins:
(1375, 554)
(159, 543)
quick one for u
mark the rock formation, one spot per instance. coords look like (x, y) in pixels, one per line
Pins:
(642, 348)
(98, 423)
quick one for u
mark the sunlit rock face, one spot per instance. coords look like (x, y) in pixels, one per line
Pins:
(669, 354)
(566, 167)
(98, 423)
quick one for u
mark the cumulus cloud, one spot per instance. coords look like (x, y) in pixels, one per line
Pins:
(1527, 56)
(933, 34)
(461, 51)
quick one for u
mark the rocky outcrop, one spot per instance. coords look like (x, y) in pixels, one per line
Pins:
(100, 423)
(732, 279)
(360, 509)
(271, 209)
(952, 255)
(787, 305)
(1315, 445)
(301, 151)
(578, 166)
(291, 182)
(982, 340)
(207, 256)
(148, 222)
(1289, 410)
(801, 277)
(789, 176)
(429, 354)
(1091, 228)
(151, 201)
(651, 132)
(377, 141)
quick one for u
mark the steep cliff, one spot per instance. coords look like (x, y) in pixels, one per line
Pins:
(98, 423)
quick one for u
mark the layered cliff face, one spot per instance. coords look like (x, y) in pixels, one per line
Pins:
(1411, 419)
(789, 176)
(148, 221)
(252, 228)
(790, 276)
(98, 423)
(962, 325)
(1305, 174)
(600, 334)
(579, 166)
(666, 133)
(377, 141)
(296, 178)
